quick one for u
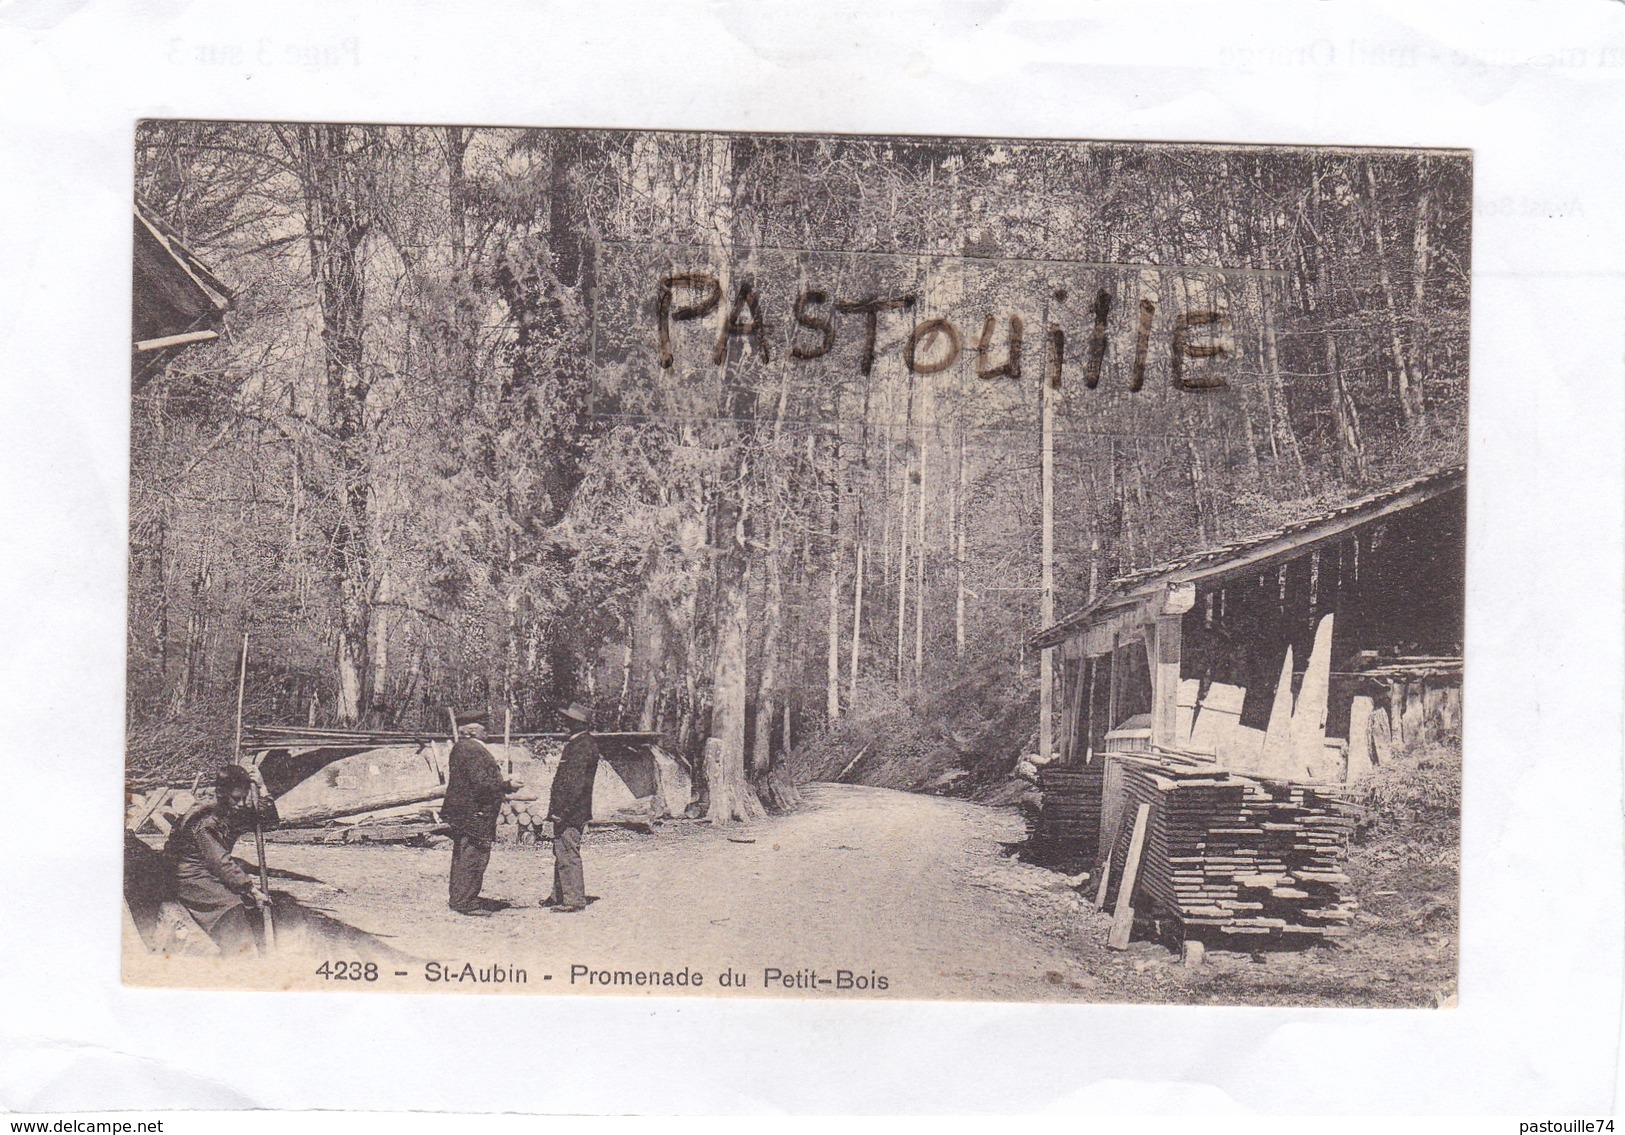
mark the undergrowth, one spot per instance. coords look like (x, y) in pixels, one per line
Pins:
(963, 737)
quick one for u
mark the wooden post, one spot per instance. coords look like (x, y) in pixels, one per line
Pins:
(1360, 711)
(1123, 914)
(1046, 571)
(1169, 633)
(242, 684)
(1114, 687)
(1309, 710)
(1396, 712)
(1089, 666)
(507, 736)
(1071, 706)
(254, 802)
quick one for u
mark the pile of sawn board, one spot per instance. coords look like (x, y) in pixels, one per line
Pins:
(1071, 808)
(1232, 854)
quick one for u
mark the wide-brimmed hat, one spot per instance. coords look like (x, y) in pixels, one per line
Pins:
(473, 717)
(577, 712)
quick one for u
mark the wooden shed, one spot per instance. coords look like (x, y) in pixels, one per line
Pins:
(1190, 654)
(176, 301)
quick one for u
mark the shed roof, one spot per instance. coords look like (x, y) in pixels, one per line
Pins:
(1255, 552)
(174, 293)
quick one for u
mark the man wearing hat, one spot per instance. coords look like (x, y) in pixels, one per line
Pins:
(207, 880)
(475, 789)
(570, 808)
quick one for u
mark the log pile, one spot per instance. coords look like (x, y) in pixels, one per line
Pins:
(521, 821)
(1071, 807)
(1227, 854)
(158, 810)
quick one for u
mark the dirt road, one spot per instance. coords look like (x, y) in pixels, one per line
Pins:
(860, 885)
(865, 882)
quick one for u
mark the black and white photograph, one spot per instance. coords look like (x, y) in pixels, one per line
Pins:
(768, 565)
(949, 558)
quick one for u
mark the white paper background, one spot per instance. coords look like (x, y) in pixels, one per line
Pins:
(1533, 89)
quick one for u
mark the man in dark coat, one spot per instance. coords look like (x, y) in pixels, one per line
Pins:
(570, 808)
(475, 789)
(206, 879)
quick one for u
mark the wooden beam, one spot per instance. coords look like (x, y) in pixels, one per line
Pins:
(176, 340)
(1276, 760)
(159, 795)
(1111, 816)
(1123, 914)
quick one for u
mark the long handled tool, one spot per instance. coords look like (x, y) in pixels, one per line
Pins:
(507, 736)
(254, 803)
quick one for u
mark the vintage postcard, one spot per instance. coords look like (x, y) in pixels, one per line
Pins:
(634, 563)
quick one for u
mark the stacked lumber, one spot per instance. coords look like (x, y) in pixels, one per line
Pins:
(1227, 854)
(1071, 807)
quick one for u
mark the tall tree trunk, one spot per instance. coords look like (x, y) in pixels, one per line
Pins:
(960, 509)
(656, 659)
(731, 796)
(626, 684)
(857, 628)
(160, 623)
(832, 653)
(919, 576)
(378, 646)
(902, 571)
(885, 512)
(330, 160)
(1351, 447)
(1421, 257)
(1401, 366)
(1283, 438)
(761, 754)
(1346, 414)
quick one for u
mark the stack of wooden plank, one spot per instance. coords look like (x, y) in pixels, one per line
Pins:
(1227, 854)
(1071, 808)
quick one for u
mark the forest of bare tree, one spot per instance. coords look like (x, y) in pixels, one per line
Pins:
(740, 437)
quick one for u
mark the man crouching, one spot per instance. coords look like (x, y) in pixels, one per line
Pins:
(207, 880)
